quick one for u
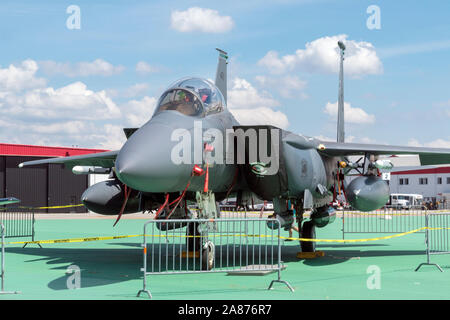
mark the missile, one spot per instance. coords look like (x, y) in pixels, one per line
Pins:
(383, 164)
(90, 170)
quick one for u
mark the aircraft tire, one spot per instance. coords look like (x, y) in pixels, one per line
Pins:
(208, 254)
(308, 231)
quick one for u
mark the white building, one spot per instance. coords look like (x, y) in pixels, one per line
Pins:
(432, 182)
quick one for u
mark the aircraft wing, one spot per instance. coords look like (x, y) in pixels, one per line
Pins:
(101, 159)
(428, 156)
(4, 201)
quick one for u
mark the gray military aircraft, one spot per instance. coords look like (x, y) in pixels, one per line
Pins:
(303, 170)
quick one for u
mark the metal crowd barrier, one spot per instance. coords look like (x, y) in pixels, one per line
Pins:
(211, 246)
(19, 223)
(437, 236)
(387, 220)
(232, 213)
(443, 205)
(2, 271)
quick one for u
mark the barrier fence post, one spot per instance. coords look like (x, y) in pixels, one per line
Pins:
(3, 263)
(428, 236)
(33, 220)
(279, 264)
(144, 268)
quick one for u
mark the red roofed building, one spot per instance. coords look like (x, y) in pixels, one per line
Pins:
(45, 185)
(7, 149)
(432, 182)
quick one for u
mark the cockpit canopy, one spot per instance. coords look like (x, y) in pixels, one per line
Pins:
(192, 97)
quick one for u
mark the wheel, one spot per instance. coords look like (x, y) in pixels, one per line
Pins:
(308, 232)
(208, 256)
(193, 241)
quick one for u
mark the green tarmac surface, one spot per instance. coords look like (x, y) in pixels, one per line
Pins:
(111, 269)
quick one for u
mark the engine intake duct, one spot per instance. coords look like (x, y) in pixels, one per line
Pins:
(107, 198)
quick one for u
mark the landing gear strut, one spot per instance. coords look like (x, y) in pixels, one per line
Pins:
(198, 244)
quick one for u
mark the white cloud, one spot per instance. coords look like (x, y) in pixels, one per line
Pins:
(261, 116)
(251, 107)
(98, 67)
(136, 90)
(322, 56)
(138, 112)
(143, 67)
(325, 138)
(16, 78)
(114, 137)
(351, 115)
(61, 133)
(243, 95)
(200, 19)
(72, 101)
(438, 143)
(288, 86)
(72, 115)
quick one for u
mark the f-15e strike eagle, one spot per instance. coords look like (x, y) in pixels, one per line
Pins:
(193, 151)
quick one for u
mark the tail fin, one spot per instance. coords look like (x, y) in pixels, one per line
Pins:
(221, 74)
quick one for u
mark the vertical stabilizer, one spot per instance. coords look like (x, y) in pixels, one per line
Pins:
(221, 74)
(340, 119)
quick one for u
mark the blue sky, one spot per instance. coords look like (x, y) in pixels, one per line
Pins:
(81, 86)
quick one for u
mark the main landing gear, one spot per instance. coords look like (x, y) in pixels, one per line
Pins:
(197, 242)
(199, 247)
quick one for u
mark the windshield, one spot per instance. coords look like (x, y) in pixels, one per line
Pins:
(192, 97)
(182, 101)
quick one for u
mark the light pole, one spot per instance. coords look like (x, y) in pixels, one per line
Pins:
(340, 120)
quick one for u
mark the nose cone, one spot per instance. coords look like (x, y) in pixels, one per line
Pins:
(144, 163)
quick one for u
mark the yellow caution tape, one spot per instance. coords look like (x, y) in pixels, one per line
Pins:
(72, 240)
(384, 213)
(40, 208)
(358, 240)
(60, 207)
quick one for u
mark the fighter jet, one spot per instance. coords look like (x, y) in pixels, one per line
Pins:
(193, 151)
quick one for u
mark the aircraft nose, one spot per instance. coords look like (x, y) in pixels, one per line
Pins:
(144, 163)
